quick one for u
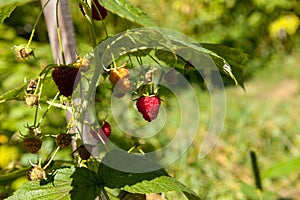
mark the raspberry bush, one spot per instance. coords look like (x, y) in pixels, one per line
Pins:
(139, 65)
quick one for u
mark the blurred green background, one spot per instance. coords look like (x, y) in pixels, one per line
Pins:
(264, 118)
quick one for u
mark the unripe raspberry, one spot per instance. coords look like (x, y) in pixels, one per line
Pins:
(83, 153)
(32, 144)
(123, 85)
(116, 74)
(63, 140)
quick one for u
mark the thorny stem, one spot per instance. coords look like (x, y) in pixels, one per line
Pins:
(35, 24)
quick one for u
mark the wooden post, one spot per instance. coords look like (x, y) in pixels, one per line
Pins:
(67, 35)
(66, 30)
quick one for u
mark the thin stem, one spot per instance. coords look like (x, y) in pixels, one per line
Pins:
(87, 9)
(58, 35)
(35, 115)
(102, 21)
(52, 157)
(35, 24)
(48, 109)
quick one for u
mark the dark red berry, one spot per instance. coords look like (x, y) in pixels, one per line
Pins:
(32, 144)
(104, 132)
(148, 106)
(83, 153)
(63, 140)
(65, 79)
(96, 9)
(106, 129)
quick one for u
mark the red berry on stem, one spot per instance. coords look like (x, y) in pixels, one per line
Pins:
(65, 79)
(148, 106)
(96, 9)
(104, 131)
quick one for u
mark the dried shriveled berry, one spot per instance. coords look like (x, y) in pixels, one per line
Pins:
(31, 87)
(83, 153)
(36, 173)
(23, 51)
(31, 100)
(63, 140)
(32, 144)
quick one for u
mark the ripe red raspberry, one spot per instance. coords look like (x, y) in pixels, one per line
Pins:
(104, 132)
(148, 106)
(32, 144)
(65, 79)
(84, 154)
(106, 129)
(63, 140)
(96, 8)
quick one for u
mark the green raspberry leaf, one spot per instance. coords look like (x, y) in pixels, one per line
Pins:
(67, 183)
(57, 188)
(17, 93)
(127, 11)
(119, 168)
(117, 171)
(161, 184)
(85, 184)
